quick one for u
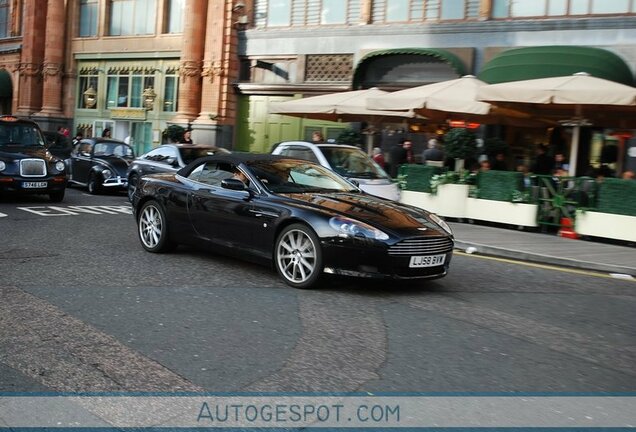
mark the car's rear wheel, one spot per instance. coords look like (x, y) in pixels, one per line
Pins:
(93, 184)
(132, 185)
(153, 228)
(298, 256)
(56, 196)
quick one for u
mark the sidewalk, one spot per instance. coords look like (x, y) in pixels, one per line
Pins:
(545, 248)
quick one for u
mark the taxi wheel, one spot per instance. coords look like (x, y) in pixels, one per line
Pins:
(56, 196)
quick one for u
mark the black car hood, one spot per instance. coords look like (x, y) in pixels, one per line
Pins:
(22, 152)
(118, 164)
(381, 213)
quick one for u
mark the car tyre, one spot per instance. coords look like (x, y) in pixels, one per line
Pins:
(298, 256)
(152, 227)
(93, 184)
(132, 186)
(57, 196)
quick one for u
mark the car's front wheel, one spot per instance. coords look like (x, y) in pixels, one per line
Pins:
(298, 256)
(93, 184)
(152, 227)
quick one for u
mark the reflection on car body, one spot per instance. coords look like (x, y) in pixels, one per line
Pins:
(348, 161)
(297, 215)
(26, 167)
(167, 158)
(100, 163)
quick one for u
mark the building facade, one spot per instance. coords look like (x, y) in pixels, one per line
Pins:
(137, 66)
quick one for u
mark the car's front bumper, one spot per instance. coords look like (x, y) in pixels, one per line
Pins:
(116, 182)
(20, 185)
(353, 258)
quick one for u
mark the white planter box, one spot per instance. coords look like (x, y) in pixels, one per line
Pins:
(607, 225)
(502, 212)
(450, 200)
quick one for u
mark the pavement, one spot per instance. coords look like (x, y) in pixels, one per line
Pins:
(546, 248)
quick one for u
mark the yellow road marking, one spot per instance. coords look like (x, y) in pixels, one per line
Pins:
(543, 266)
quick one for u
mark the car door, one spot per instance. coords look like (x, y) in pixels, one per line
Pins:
(81, 160)
(217, 214)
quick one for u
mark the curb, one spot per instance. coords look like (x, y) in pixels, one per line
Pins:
(544, 259)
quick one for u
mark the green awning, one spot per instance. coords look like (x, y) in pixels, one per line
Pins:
(549, 61)
(437, 55)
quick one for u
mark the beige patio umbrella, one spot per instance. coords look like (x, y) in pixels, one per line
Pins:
(453, 99)
(344, 106)
(576, 100)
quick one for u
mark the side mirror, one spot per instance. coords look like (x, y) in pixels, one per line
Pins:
(233, 184)
(356, 183)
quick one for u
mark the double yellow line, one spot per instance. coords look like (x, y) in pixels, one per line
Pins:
(544, 266)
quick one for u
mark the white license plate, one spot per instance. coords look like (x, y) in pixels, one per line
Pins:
(34, 185)
(427, 261)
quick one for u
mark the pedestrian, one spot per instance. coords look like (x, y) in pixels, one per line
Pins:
(433, 155)
(378, 156)
(317, 137)
(397, 156)
(542, 162)
(78, 138)
(106, 133)
(187, 137)
(628, 175)
(499, 163)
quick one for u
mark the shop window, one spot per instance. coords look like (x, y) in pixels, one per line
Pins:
(171, 84)
(540, 8)
(87, 81)
(132, 17)
(126, 89)
(278, 13)
(88, 18)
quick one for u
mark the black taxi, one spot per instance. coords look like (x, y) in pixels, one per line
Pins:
(26, 166)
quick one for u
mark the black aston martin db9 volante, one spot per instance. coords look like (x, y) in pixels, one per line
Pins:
(294, 214)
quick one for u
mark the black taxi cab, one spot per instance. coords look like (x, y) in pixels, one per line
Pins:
(26, 166)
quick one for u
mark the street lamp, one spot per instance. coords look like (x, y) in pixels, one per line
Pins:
(90, 97)
(149, 98)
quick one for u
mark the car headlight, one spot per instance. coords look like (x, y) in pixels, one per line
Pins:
(2, 166)
(441, 222)
(59, 165)
(354, 228)
(106, 173)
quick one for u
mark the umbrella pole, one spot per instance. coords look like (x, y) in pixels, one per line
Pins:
(574, 150)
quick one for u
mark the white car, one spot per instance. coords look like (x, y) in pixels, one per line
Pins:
(348, 161)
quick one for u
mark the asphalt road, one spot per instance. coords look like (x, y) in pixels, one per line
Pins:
(84, 308)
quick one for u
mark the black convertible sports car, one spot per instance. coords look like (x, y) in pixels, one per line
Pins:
(301, 217)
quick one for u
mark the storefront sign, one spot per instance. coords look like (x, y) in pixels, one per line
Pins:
(128, 113)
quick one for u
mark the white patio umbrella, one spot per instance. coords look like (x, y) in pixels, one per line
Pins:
(453, 99)
(344, 106)
(576, 100)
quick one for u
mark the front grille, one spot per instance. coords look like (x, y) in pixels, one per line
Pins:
(422, 246)
(32, 168)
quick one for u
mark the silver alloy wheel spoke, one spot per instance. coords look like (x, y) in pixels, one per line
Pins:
(296, 256)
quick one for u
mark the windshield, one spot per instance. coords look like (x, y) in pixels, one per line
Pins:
(291, 176)
(104, 149)
(19, 134)
(352, 162)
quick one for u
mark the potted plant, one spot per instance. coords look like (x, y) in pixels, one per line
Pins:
(460, 144)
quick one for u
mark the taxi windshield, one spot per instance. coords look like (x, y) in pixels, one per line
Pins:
(20, 134)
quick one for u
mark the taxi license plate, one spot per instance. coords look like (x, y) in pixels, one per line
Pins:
(34, 185)
(427, 261)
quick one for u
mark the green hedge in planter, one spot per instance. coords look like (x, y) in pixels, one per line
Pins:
(499, 185)
(617, 196)
(417, 178)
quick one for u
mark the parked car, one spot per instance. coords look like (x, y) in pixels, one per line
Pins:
(58, 145)
(348, 161)
(26, 167)
(100, 164)
(167, 158)
(296, 215)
